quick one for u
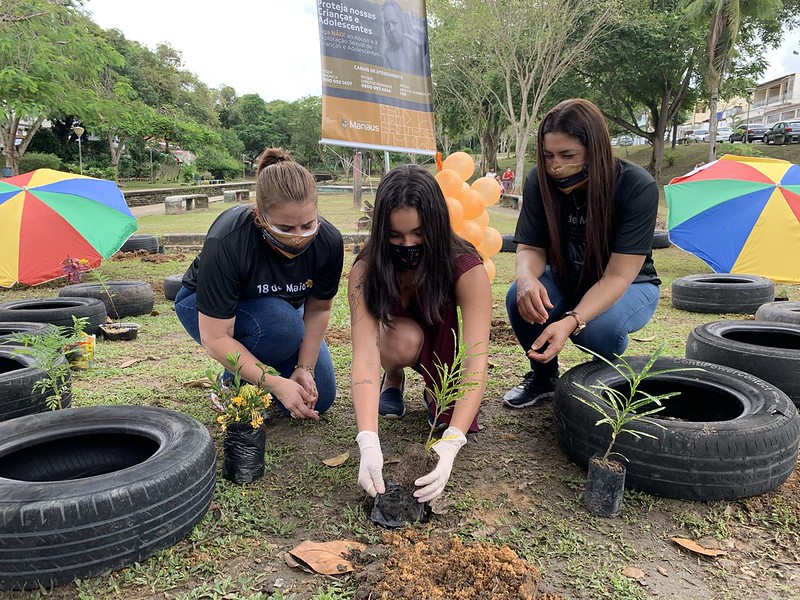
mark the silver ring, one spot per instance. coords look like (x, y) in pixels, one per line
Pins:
(313, 389)
(294, 416)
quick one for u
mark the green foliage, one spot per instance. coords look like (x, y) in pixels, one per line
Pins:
(630, 407)
(451, 385)
(669, 158)
(220, 164)
(740, 149)
(238, 400)
(48, 350)
(39, 160)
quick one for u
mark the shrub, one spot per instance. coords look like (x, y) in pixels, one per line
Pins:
(669, 157)
(739, 149)
(31, 161)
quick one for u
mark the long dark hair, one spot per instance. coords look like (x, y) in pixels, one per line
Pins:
(580, 119)
(410, 186)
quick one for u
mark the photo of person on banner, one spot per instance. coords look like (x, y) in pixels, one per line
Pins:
(405, 40)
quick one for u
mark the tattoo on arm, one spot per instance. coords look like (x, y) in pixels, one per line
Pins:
(363, 382)
(355, 299)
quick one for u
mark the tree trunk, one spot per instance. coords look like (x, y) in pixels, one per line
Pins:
(522, 135)
(712, 124)
(357, 180)
(489, 143)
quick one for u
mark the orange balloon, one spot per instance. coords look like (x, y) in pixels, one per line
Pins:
(472, 232)
(456, 213)
(472, 203)
(491, 270)
(462, 163)
(465, 187)
(488, 188)
(482, 219)
(449, 181)
(492, 241)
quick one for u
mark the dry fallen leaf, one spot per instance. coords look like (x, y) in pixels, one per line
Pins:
(326, 557)
(129, 363)
(441, 505)
(335, 461)
(697, 548)
(662, 571)
(633, 573)
(643, 339)
(203, 382)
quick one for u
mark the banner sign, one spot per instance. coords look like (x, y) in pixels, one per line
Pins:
(376, 75)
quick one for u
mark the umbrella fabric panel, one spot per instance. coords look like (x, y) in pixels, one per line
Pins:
(738, 170)
(10, 216)
(41, 255)
(691, 198)
(100, 191)
(100, 224)
(768, 254)
(718, 235)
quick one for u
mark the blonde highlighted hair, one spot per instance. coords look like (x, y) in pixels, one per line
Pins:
(280, 180)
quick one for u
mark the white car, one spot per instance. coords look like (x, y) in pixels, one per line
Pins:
(723, 133)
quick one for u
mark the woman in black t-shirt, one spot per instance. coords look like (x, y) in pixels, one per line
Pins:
(264, 284)
(583, 267)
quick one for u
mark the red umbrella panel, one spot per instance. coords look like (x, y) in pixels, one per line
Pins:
(740, 214)
(47, 216)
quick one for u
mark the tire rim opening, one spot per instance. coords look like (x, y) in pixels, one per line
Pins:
(771, 338)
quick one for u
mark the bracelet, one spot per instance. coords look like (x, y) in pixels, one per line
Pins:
(308, 368)
(580, 323)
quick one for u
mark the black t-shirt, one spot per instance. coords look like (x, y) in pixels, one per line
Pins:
(236, 263)
(635, 211)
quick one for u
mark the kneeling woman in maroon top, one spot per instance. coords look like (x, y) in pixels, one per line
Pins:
(405, 290)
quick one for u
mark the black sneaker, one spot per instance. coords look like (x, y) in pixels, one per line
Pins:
(530, 391)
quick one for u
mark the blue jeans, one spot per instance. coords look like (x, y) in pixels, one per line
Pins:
(606, 334)
(272, 330)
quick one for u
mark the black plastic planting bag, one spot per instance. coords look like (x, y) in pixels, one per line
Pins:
(398, 507)
(244, 453)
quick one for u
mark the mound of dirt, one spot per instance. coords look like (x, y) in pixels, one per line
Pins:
(434, 566)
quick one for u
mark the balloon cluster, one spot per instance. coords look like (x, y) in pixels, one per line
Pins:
(467, 205)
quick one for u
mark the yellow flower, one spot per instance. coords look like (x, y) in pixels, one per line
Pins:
(237, 400)
(221, 419)
(256, 421)
(83, 261)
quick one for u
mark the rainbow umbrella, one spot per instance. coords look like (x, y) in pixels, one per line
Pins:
(47, 216)
(740, 214)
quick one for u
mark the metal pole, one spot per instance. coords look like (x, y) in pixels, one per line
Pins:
(386, 160)
(80, 156)
(151, 164)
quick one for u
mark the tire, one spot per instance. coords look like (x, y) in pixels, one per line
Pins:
(56, 311)
(172, 286)
(661, 239)
(728, 434)
(140, 241)
(128, 298)
(776, 312)
(770, 351)
(9, 330)
(19, 373)
(509, 245)
(122, 482)
(722, 293)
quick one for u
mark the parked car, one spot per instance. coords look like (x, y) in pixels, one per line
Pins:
(754, 133)
(783, 132)
(698, 135)
(723, 133)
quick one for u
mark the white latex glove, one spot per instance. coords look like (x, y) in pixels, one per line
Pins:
(370, 471)
(447, 448)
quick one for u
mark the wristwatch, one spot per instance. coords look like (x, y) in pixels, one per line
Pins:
(581, 323)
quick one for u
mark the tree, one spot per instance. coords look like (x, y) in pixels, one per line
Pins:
(50, 53)
(724, 19)
(531, 44)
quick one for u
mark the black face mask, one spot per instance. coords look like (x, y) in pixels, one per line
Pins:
(406, 257)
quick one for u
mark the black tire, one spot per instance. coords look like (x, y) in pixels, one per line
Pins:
(661, 239)
(776, 312)
(722, 293)
(122, 482)
(140, 241)
(128, 298)
(9, 330)
(509, 245)
(172, 286)
(728, 434)
(770, 351)
(56, 311)
(19, 373)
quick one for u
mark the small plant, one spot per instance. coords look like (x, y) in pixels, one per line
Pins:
(75, 268)
(240, 401)
(48, 350)
(627, 408)
(450, 388)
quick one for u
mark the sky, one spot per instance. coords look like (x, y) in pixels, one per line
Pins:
(267, 47)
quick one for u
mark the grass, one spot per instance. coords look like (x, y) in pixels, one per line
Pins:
(511, 485)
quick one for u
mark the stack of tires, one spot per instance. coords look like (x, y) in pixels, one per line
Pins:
(733, 430)
(100, 487)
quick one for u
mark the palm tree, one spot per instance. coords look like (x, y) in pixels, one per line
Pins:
(726, 18)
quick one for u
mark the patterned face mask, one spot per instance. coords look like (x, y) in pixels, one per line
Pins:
(288, 244)
(406, 257)
(569, 177)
